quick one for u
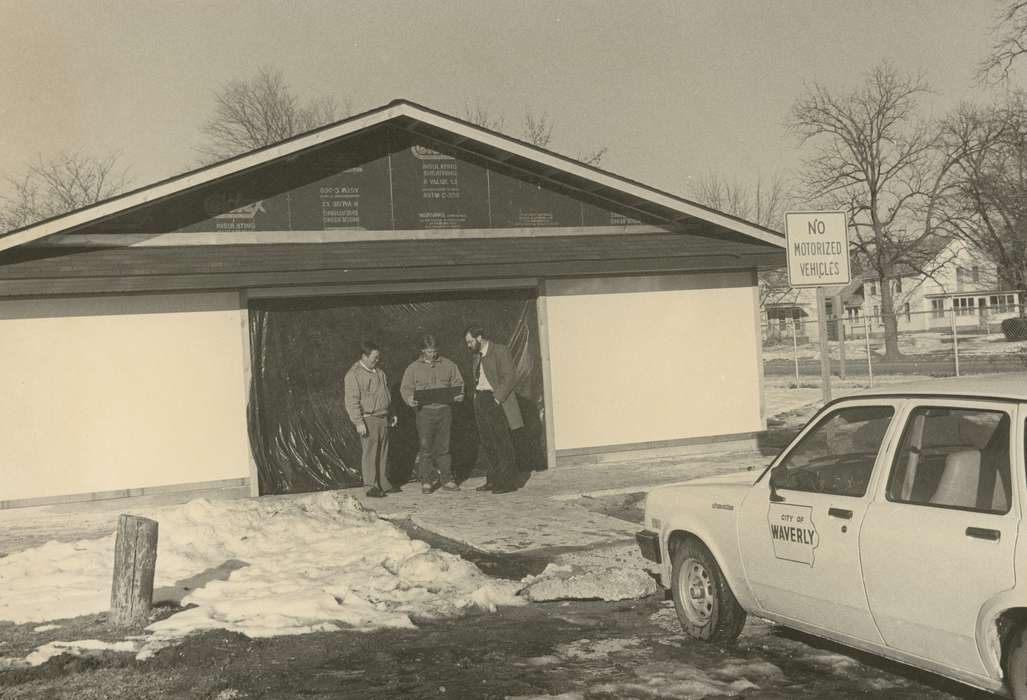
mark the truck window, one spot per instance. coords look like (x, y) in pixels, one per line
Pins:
(837, 456)
(953, 458)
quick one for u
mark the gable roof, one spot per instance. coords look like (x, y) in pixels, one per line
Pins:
(546, 165)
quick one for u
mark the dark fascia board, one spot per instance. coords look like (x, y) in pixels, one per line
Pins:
(64, 286)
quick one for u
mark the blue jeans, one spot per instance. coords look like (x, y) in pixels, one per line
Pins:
(433, 458)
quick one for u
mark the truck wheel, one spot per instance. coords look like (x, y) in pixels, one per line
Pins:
(706, 607)
(1016, 665)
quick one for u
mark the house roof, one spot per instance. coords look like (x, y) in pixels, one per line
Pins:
(460, 135)
(928, 251)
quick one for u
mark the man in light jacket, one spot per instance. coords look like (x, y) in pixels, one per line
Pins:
(430, 384)
(495, 408)
(367, 404)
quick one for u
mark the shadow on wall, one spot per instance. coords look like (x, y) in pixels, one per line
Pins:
(301, 349)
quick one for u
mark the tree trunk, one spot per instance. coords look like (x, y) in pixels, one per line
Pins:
(891, 322)
(135, 558)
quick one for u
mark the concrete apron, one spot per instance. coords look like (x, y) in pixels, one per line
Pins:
(540, 515)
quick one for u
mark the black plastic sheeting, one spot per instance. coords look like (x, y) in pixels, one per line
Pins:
(301, 349)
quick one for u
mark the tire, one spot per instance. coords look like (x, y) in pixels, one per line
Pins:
(706, 607)
(1016, 664)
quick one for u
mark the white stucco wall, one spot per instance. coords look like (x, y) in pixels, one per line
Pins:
(120, 392)
(635, 360)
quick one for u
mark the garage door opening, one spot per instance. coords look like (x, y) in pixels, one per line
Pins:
(301, 349)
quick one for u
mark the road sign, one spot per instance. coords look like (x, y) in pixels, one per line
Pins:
(818, 248)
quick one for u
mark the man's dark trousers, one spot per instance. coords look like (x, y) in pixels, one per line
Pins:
(435, 462)
(496, 444)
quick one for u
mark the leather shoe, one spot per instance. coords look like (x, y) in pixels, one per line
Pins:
(427, 488)
(486, 487)
(504, 489)
(375, 492)
(451, 486)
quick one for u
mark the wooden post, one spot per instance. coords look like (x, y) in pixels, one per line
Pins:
(825, 357)
(135, 559)
(866, 338)
(841, 335)
(795, 350)
(955, 336)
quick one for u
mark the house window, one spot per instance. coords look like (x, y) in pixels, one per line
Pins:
(877, 315)
(907, 313)
(937, 308)
(873, 289)
(964, 306)
(1003, 303)
(976, 273)
(898, 286)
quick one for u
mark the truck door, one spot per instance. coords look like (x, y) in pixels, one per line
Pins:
(799, 539)
(939, 539)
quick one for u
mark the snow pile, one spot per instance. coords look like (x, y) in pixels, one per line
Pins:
(572, 583)
(261, 567)
(57, 580)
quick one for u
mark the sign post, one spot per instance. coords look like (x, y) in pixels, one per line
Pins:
(817, 244)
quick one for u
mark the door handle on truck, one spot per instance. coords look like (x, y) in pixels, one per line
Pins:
(843, 513)
(983, 533)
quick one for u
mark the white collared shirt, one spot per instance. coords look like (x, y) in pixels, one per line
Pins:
(483, 381)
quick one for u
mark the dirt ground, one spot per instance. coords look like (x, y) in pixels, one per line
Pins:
(581, 649)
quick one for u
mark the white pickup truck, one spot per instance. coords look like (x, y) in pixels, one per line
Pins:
(893, 523)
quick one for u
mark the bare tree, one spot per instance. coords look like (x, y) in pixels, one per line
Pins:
(985, 201)
(69, 180)
(1010, 32)
(537, 129)
(763, 202)
(483, 116)
(260, 111)
(873, 158)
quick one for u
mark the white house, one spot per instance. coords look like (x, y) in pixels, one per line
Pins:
(962, 279)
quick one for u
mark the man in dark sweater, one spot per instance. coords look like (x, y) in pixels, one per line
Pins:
(430, 384)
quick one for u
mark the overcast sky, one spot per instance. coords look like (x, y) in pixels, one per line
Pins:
(673, 89)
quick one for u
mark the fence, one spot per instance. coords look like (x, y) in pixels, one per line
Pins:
(938, 343)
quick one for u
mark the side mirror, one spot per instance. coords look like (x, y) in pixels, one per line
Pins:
(776, 475)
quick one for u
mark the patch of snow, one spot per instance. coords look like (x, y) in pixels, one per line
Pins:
(229, 694)
(78, 648)
(848, 667)
(313, 563)
(542, 661)
(748, 670)
(46, 628)
(589, 650)
(569, 583)
(673, 680)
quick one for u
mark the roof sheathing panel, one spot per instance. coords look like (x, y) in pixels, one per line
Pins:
(560, 173)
